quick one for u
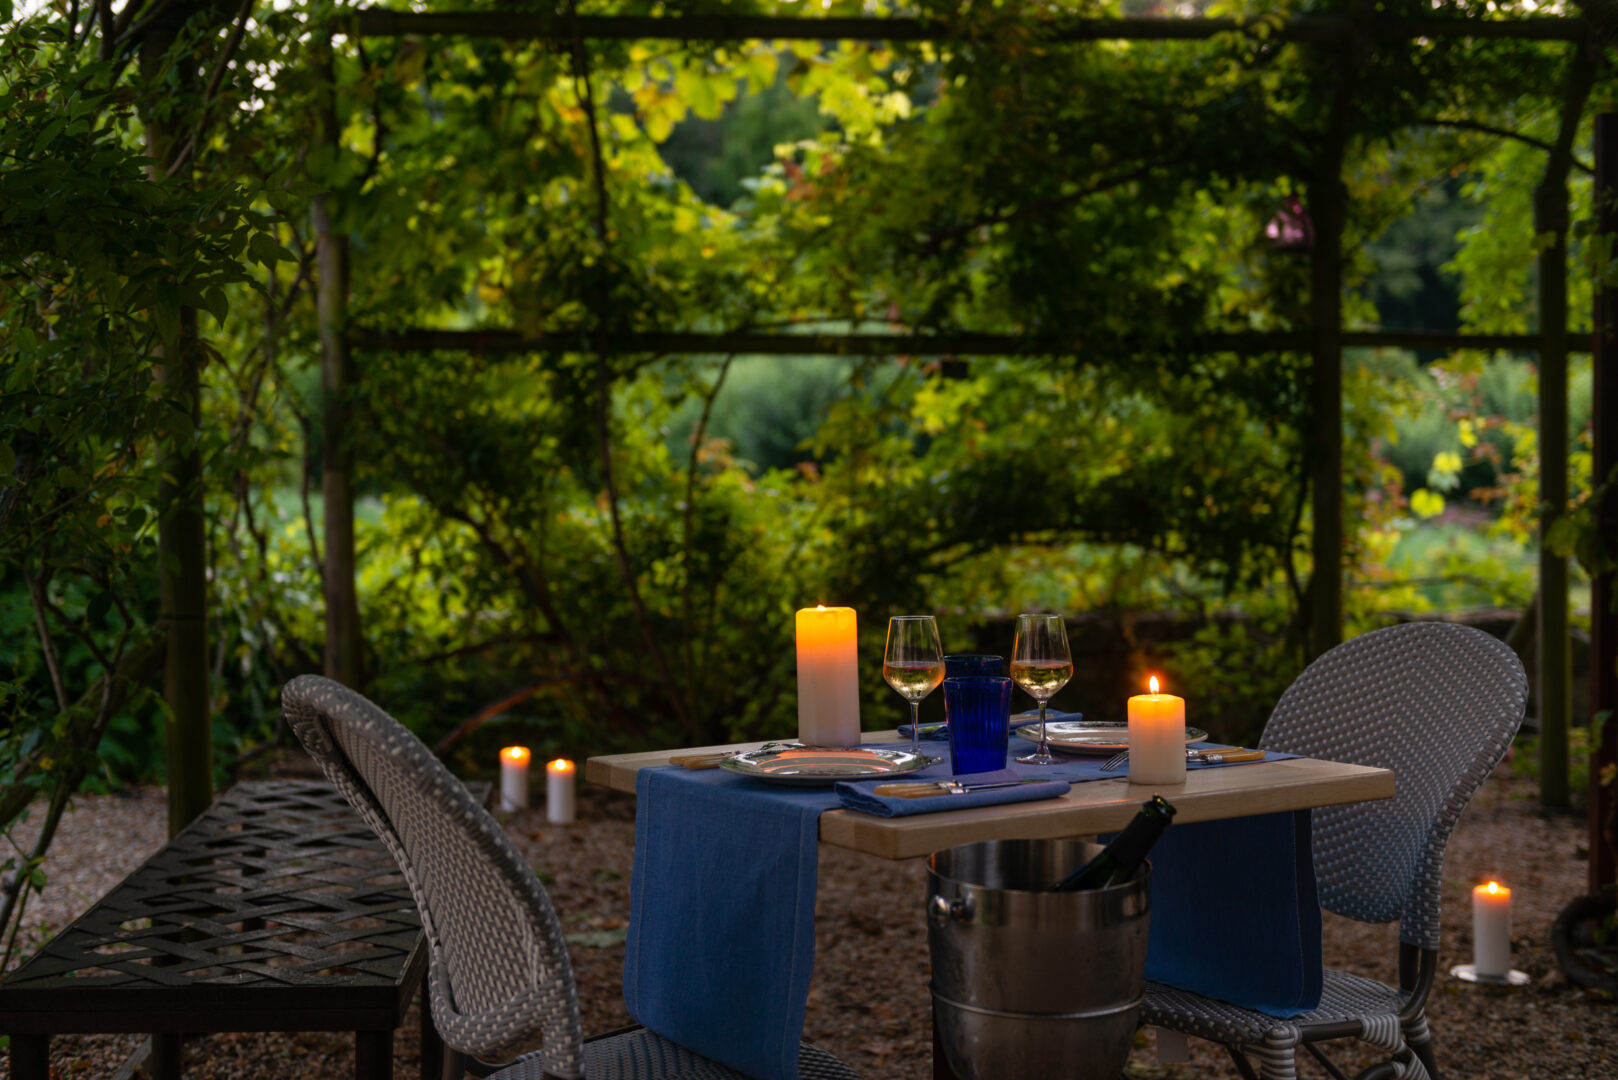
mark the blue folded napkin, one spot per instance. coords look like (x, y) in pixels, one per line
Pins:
(1235, 914)
(942, 732)
(863, 797)
(721, 936)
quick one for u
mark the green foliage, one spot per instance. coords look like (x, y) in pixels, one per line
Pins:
(101, 270)
(1240, 666)
(720, 158)
(617, 544)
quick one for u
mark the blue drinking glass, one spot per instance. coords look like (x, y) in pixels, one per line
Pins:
(979, 711)
(973, 664)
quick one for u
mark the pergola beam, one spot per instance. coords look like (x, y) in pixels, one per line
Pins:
(879, 345)
(374, 22)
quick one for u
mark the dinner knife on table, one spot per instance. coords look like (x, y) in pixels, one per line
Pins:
(923, 790)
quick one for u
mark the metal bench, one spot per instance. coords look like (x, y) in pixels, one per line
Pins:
(277, 910)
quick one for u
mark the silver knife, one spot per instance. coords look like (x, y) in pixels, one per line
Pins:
(944, 787)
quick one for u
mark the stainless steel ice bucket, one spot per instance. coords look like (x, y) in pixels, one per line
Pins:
(1028, 983)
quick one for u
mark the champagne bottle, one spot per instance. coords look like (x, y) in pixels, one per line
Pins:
(1119, 860)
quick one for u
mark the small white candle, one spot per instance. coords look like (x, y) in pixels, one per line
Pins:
(828, 677)
(1156, 738)
(514, 778)
(1491, 930)
(559, 808)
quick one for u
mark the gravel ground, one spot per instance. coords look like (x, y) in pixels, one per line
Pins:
(868, 1002)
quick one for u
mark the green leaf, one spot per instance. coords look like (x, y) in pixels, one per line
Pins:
(213, 298)
(98, 608)
(8, 458)
(265, 250)
(1563, 537)
(48, 136)
(598, 939)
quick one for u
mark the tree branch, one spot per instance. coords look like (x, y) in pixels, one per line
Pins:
(489, 712)
(225, 57)
(1504, 133)
(698, 436)
(626, 568)
(133, 668)
(36, 597)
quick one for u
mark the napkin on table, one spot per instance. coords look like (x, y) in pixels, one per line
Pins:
(863, 797)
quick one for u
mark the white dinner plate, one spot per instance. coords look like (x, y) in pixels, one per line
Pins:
(1092, 736)
(809, 766)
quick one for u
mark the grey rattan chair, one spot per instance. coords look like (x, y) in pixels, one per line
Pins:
(1438, 704)
(498, 969)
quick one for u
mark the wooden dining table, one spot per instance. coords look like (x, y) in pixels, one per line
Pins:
(1088, 809)
(1099, 806)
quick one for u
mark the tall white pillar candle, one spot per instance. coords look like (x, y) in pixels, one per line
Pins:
(828, 677)
(1156, 738)
(514, 778)
(1491, 930)
(559, 806)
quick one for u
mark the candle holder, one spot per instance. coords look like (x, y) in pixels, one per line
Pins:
(1469, 973)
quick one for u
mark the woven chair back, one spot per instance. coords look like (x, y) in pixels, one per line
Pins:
(1438, 704)
(498, 968)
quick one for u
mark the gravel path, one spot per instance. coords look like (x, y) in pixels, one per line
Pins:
(868, 1002)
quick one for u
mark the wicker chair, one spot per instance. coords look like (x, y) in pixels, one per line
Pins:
(1438, 704)
(498, 969)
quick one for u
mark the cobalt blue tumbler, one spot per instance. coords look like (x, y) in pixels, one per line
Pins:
(979, 711)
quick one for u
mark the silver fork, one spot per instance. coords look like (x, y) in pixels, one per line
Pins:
(1116, 760)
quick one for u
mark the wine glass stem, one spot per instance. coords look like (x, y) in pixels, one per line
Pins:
(1044, 747)
(915, 727)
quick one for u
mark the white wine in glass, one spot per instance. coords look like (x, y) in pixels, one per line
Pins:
(1041, 664)
(913, 664)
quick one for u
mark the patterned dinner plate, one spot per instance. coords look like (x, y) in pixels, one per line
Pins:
(809, 766)
(1092, 736)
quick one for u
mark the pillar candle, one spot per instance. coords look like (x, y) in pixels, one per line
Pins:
(1156, 738)
(559, 807)
(828, 677)
(514, 778)
(1491, 930)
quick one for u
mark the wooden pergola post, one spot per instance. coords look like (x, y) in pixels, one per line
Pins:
(182, 537)
(344, 654)
(1328, 210)
(1555, 658)
(1604, 587)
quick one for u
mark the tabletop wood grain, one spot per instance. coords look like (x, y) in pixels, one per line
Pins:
(1089, 808)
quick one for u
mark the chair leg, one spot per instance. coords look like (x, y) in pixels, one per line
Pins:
(1325, 1062)
(1277, 1058)
(1420, 1040)
(1239, 1059)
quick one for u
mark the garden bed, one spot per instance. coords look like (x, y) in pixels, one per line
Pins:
(868, 1002)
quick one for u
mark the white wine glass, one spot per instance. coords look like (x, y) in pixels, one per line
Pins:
(1041, 664)
(913, 664)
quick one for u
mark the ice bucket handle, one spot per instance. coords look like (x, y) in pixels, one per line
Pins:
(941, 910)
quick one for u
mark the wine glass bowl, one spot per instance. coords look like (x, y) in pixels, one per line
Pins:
(913, 664)
(1041, 664)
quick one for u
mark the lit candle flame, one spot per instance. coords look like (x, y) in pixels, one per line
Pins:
(1153, 683)
(1493, 887)
(515, 754)
(562, 765)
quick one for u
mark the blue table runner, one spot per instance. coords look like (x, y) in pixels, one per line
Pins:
(721, 937)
